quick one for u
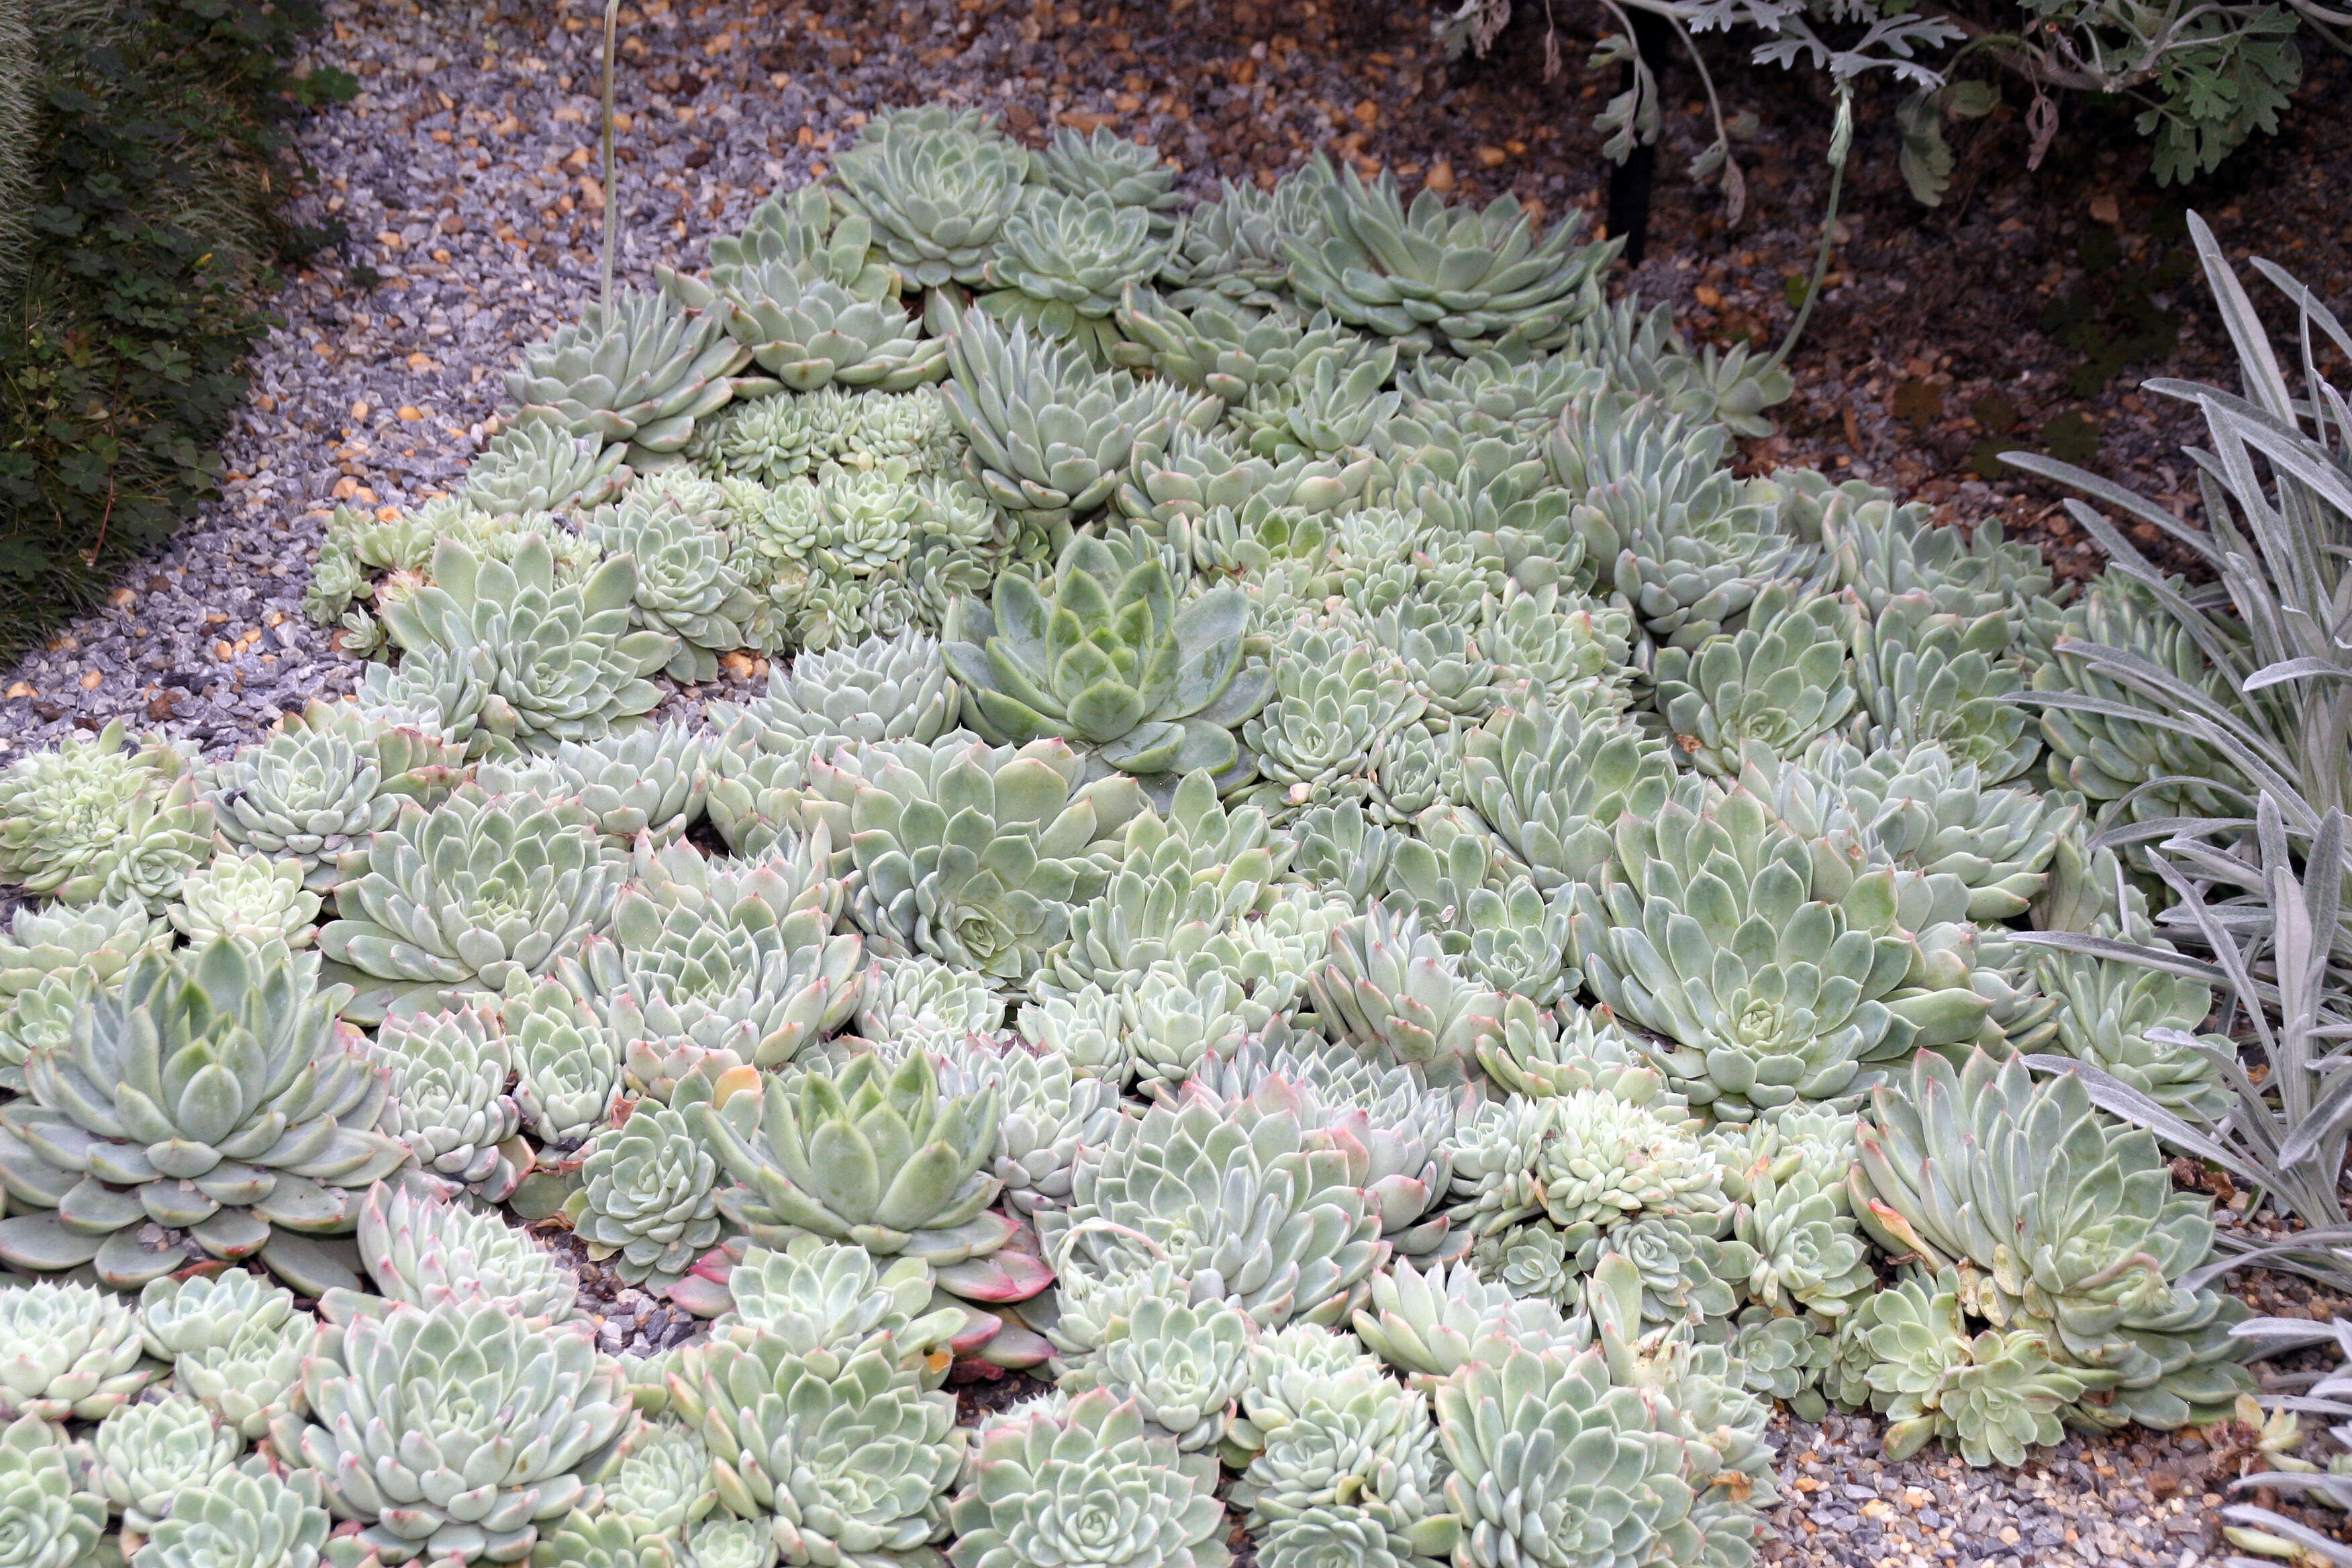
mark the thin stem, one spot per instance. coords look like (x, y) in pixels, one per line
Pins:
(1820, 270)
(612, 196)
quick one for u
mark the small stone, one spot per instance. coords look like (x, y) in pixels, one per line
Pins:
(1491, 156)
(1441, 177)
(2104, 209)
(91, 680)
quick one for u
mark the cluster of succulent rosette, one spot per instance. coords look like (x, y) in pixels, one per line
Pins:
(1314, 870)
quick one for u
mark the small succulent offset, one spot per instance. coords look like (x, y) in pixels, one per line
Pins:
(248, 896)
(250, 1517)
(235, 1342)
(938, 185)
(425, 1250)
(851, 1455)
(1427, 275)
(47, 954)
(539, 465)
(646, 1196)
(99, 820)
(145, 1456)
(448, 1102)
(68, 1351)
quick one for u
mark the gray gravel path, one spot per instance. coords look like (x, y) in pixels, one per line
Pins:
(466, 171)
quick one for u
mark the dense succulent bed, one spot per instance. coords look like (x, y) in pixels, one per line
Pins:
(1314, 868)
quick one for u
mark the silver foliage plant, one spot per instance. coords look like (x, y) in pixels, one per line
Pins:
(1311, 869)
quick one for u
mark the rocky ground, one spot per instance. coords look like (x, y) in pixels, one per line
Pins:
(466, 173)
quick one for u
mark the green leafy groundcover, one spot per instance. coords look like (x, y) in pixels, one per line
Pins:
(1314, 870)
(158, 154)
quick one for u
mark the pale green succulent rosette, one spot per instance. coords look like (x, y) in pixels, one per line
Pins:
(143, 1455)
(876, 1155)
(425, 1250)
(1222, 347)
(252, 1517)
(1335, 702)
(1063, 262)
(883, 688)
(567, 1065)
(1426, 1325)
(1772, 995)
(937, 184)
(215, 1095)
(688, 586)
(1389, 987)
(1640, 354)
(1780, 683)
(1555, 1463)
(847, 1459)
(1112, 662)
(1429, 274)
(395, 1443)
(823, 1295)
(1085, 1480)
(1331, 405)
(46, 1516)
(235, 1343)
(586, 1540)
(2057, 1221)
(99, 820)
(1052, 436)
(509, 655)
(1130, 172)
(321, 781)
(1354, 1467)
(541, 465)
(1029, 840)
(478, 892)
(640, 371)
(1236, 248)
(1549, 782)
(647, 1196)
(1925, 675)
(2128, 766)
(1251, 1204)
(47, 955)
(68, 1352)
(735, 956)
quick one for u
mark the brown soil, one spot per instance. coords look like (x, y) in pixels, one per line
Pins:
(2022, 313)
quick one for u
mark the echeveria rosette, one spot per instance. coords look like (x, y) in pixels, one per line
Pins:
(937, 184)
(254, 1516)
(1130, 172)
(44, 953)
(1706, 930)
(321, 781)
(1429, 274)
(1085, 1480)
(538, 466)
(641, 370)
(511, 654)
(736, 956)
(1780, 683)
(457, 1430)
(47, 1520)
(1249, 1202)
(68, 1351)
(832, 1296)
(971, 853)
(1925, 675)
(1557, 1464)
(472, 896)
(144, 1454)
(1112, 662)
(1426, 1325)
(425, 1249)
(1550, 781)
(1995, 1393)
(448, 1102)
(647, 1194)
(877, 1155)
(99, 820)
(849, 1458)
(213, 1094)
(567, 1065)
(689, 582)
(1389, 988)
(1052, 436)
(811, 321)
(1233, 248)
(235, 1342)
(2056, 1219)
(1065, 259)
(1182, 1366)
(1348, 1473)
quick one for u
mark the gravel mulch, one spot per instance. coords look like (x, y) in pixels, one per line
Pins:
(466, 173)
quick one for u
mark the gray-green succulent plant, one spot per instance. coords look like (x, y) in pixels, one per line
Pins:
(641, 370)
(938, 185)
(99, 820)
(1085, 1480)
